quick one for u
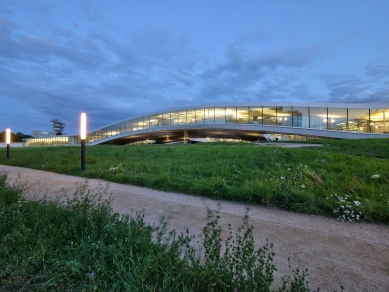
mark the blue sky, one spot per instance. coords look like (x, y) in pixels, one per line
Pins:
(118, 59)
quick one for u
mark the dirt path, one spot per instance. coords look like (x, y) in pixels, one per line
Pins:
(354, 255)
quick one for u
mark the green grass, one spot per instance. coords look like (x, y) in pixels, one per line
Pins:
(313, 180)
(81, 245)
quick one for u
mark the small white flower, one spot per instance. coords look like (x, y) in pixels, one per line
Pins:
(282, 177)
(375, 176)
(303, 186)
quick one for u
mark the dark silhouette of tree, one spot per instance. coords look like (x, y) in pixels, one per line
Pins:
(18, 137)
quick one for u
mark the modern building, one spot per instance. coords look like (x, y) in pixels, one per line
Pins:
(242, 122)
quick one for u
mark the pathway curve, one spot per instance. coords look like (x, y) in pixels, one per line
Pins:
(355, 255)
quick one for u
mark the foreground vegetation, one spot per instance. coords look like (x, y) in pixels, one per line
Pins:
(348, 179)
(81, 245)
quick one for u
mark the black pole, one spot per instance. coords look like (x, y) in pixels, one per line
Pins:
(82, 154)
(7, 151)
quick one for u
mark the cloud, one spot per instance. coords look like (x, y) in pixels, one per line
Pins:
(378, 69)
(95, 70)
(353, 89)
(244, 73)
(114, 71)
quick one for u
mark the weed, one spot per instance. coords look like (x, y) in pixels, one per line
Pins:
(80, 244)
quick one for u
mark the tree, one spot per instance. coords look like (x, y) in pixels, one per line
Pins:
(18, 137)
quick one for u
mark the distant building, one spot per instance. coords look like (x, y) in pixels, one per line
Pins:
(249, 122)
(42, 134)
(58, 127)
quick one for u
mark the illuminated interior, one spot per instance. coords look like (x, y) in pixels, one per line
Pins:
(362, 118)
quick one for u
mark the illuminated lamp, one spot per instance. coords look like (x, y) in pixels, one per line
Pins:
(83, 137)
(8, 140)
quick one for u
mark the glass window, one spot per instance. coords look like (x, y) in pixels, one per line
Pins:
(99, 135)
(174, 118)
(242, 114)
(118, 129)
(166, 119)
(123, 126)
(337, 119)
(379, 120)
(158, 120)
(109, 131)
(146, 122)
(140, 123)
(134, 124)
(284, 116)
(300, 117)
(104, 132)
(230, 115)
(182, 117)
(191, 116)
(358, 120)
(153, 121)
(269, 116)
(386, 121)
(200, 116)
(128, 125)
(209, 115)
(92, 137)
(318, 117)
(220, 115)
(255, 115)
(114, 129)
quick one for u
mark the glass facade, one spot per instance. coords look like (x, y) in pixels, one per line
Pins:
(220, 115)
(209, 115)
(269, 115)
(285, 116)
(242, 115)
(49, 141)
(379, 118)
(361, 118)
(300, 117)
(255, 115)
(337, 119)
(200, 116)
(318, 117)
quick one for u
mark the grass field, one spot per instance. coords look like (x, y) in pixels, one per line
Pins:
(347, 179)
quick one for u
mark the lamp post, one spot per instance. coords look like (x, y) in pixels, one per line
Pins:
(8, 140)
(83, 136)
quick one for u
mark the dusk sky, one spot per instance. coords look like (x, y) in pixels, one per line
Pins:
(119, 59)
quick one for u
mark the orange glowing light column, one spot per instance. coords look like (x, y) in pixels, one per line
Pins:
(8, 140)
(83, 137)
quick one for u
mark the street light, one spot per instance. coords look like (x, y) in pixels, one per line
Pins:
(83, 136)
(8, 140)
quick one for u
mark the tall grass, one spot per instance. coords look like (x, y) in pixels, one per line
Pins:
(303, 180)
(81, 245)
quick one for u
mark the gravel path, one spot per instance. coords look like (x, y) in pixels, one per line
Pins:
(354, 255)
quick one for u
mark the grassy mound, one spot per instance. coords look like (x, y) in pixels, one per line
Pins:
(348, 179)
